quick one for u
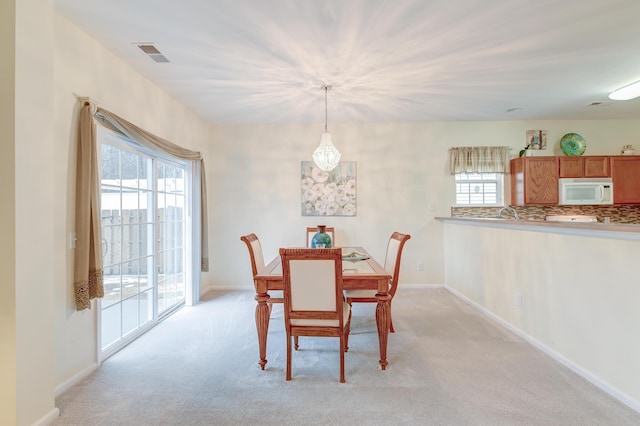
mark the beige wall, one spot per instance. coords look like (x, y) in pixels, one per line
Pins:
(26, 75)
(402, 169)
(84, 67)
(8, 343)
(580, 295)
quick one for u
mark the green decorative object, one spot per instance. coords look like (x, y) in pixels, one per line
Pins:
(573, 144)
(321, 237)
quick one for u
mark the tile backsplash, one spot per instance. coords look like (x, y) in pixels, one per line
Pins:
(616, 214)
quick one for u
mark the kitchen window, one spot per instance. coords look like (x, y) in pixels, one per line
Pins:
(479, 174)
(479, 189)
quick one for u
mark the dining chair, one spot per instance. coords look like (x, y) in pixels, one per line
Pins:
(311, 231)
(257, 263)
(313, 298)
(392, 266)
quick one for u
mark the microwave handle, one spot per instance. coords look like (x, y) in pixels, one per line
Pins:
(601, 192)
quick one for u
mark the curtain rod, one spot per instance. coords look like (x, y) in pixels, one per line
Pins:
(85, 99)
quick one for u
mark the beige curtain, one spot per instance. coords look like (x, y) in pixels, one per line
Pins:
(88, 276)
(144, 138)
(479, 159)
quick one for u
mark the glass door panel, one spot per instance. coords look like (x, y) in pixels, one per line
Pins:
(143, 226)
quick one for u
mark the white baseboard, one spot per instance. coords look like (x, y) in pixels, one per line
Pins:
(420, 286)
(75, 379)
(604, 386)
(48, 418)
(227, 288)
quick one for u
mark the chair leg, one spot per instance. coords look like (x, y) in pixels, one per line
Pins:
(288, 376)
(342, 343)
(347, 330)
(390, 320)
(295, 341)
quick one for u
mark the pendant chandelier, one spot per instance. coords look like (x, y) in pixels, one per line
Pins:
(326, 156)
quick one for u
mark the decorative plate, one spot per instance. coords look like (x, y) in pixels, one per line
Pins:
(573, 144)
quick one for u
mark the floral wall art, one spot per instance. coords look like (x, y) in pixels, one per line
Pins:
(329, 193)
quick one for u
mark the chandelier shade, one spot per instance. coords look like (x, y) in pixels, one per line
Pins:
(326, 156)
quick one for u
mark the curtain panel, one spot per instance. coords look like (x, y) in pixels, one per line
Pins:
(479, 159)
(88, 274)
(149, 140)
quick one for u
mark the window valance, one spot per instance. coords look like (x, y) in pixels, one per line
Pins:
(479, 159)
(149, 140)
(88, 273)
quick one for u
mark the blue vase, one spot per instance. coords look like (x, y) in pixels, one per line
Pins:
(321, 237)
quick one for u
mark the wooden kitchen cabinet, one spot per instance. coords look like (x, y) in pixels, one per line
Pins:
(534, 180)
(625, 174)
(583, 167)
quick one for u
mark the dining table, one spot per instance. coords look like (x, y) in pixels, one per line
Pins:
(360, 271)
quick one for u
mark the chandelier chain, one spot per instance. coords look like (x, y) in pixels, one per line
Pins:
(326, 89)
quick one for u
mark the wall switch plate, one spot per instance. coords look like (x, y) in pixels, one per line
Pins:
(420, 266)
(72, 240)
(519, 300)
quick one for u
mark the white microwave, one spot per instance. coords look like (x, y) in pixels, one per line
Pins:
(585, 191)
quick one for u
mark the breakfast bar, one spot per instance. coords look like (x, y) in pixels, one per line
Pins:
(571, 289)
(595, 229)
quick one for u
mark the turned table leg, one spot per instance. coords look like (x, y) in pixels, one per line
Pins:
(383, 322)
(262, 325)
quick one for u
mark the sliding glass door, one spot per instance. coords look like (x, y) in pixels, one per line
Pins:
(171, 242)
(143, 246)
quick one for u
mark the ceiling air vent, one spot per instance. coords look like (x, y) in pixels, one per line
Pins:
(151, 51)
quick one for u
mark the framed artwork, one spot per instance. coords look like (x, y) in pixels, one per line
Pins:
(328, 193)
(536, 139)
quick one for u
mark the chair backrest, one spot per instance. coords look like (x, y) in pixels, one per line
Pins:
(312, 230)
(255, 252)
(312, 280)
(392, 259)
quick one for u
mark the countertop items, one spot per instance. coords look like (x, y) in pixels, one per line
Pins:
(571, 218)
(590, 229)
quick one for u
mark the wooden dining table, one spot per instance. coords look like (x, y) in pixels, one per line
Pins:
(364, 274)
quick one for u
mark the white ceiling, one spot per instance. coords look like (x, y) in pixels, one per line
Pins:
(264, 61)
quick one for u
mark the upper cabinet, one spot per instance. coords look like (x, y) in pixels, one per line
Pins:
(579, 167)
(534, 180)
(625, 173)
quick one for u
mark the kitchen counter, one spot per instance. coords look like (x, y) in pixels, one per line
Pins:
(589, 229)
(571, 289)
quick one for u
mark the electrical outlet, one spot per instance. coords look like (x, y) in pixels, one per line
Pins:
(432, 206)
(420, 266)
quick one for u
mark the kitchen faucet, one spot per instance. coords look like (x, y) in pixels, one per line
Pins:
(511, 209)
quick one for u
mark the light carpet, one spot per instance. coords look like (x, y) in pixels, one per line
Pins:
(448, 365)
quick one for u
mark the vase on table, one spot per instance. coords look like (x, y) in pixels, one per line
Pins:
(321, 238)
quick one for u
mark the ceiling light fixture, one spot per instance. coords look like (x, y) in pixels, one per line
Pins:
(626, 93)
(326, 156)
